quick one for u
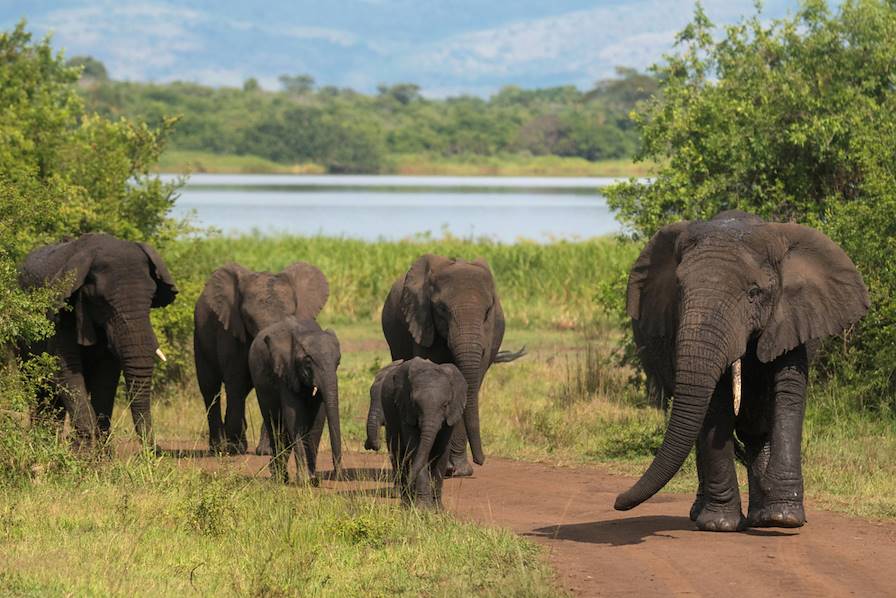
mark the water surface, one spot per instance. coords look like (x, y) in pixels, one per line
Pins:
(503, 209)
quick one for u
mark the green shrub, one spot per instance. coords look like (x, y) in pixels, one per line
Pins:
(793, 119)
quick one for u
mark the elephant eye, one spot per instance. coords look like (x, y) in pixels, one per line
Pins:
(754, 292)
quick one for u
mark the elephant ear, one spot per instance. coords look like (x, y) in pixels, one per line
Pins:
(383, 384)
(416, 297)
(821, 294)
(63, 264)
(311, 289)
(652, 295)
(74, 272)
(280, 348)
(223, 292)
(455, 407)
(166, 290)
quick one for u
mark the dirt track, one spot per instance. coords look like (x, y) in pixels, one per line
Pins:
(653, 550)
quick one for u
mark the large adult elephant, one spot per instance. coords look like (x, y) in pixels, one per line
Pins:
(234, 305)
(722, 313)
(447, 311)
(109, 286)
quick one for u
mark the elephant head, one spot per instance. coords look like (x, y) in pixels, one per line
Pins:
(246, 302)
(706, 292)
(305, 358)
(375, 417)
(111, 285)
(455, 300)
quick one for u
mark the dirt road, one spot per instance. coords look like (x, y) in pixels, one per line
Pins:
(653, 550)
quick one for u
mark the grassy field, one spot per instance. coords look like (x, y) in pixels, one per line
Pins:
(158, 526)
(189, 161)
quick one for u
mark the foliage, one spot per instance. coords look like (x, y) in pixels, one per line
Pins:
(792, 119)
(63, 172)
(347, 131)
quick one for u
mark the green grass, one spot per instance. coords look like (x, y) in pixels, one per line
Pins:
(149, 527)
(144, 525)
(191, 161)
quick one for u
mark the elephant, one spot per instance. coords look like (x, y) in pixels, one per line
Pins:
(726, 314)
(420, 403)
(108, 287)
(293, 365)
(448, 311)
(234, 305)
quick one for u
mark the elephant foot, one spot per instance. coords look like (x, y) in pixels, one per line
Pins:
(264, 449)
(697, 507)
(710, 520)
(779, 514)
(459, 470)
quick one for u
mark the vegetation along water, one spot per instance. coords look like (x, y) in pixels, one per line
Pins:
(792, 120)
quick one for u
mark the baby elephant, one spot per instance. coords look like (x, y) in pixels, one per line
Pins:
(420, 402)
(293, 365)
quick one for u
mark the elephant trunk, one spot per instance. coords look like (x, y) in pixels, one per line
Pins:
(331, 404)
(374, 421)
(702, 356)
(428, 431)
(131, 337)
(469, 362)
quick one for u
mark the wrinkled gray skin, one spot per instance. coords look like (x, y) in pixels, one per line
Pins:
(420, 403)
(705, 294)
(234, 305)
(109, 287)
(448, 311)
(288, 361)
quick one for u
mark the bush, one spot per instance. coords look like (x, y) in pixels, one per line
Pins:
(63, 172)
(793, 120)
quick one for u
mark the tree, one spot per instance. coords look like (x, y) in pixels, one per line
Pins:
(91, 68)
(297, 85)
(403, 93)
(251, 85)
(793, 120)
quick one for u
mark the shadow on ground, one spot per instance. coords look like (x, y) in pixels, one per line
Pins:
(629, 531)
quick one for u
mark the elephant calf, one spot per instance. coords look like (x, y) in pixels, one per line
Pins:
(420, 403)
(293, 366)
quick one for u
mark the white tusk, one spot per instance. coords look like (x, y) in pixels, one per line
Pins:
(161, 355)
(313, 391)
(736, 385)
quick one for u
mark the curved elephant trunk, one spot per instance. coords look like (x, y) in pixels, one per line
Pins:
(701, 359)
(331, 404)
(374, 421)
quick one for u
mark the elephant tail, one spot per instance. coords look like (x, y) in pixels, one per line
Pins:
(508, 356)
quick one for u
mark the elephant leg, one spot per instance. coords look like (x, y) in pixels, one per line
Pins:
(102, 382)
(458, 464)
(292, 430)
(237, 388)
(700, 498)
(72, 389)
(441, 449)
(394, 444)
(781, 483)
(313, 417)
(273, 421)
(209, 378)
(721, 510)
(264, 446)
(408, 441)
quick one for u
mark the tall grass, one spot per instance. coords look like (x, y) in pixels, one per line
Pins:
(152, 528)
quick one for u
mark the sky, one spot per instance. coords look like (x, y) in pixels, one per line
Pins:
(448, 47)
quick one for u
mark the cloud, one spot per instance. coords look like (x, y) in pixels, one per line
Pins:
(580, 45)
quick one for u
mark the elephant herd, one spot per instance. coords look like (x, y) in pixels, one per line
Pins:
(726, 315)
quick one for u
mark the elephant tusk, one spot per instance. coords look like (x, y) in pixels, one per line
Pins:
(161, 355)
(313, 391)
(736, 385)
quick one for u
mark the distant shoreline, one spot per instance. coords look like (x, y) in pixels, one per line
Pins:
(185, 161)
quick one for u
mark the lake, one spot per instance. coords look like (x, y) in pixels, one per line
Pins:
(503, 209)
